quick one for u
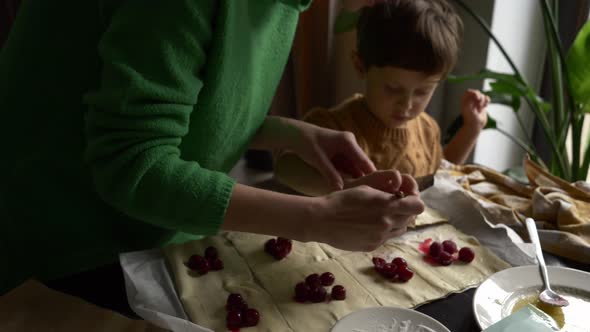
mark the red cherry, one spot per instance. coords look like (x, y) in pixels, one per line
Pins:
(389, 271)
(250, 317)
(338, 293)
(286, 243)
(233, 320)
(278, 248)
(378, 262)
(211, 253)
(203, 267)
(318, 295)
(449, 246)
(466, 254)
(435, 249)
(235, 302)
(445, 258)
(283, 249)
(270, 246)
(302, 291)
(424, 246)
(195, 262)
(313, 281)
(280, 253)
(234, 298)
(398, 261)
(327, 279)
(216, 264)
(404, 274)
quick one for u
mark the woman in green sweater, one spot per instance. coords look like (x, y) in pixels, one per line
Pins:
(121, 119)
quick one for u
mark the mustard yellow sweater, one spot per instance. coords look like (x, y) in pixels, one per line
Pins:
(414, 149)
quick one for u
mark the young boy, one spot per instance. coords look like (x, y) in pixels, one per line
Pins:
(404, 49)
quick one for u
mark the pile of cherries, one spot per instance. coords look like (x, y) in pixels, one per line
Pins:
(313, 289)
(203, 265)
(278, 248)
(238, 313)
(397, 270)
(446, 252)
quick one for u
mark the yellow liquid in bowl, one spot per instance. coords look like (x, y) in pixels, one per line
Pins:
(573, 318)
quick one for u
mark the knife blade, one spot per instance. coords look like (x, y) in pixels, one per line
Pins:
(425, 182)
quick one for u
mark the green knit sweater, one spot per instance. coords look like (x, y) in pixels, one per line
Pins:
(120, 120)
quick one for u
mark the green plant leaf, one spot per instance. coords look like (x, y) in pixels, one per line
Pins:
(578, 67)
(533, 97)
(545, 106)
(346, 21)
(504, 99)
(489, 74)
(507, 88)
(492, 123)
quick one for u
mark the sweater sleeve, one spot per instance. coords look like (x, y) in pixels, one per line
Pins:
(153, 55)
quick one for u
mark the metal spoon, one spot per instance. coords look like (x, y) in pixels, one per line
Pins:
(547, 296)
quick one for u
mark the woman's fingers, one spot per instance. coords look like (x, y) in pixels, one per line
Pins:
(408, 206)
(397, 232)
(387, 181)
(345, 165)
(408, 185)
(357, 156)
(327, 169)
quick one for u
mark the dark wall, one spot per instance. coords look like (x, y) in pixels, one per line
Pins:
(8, 10)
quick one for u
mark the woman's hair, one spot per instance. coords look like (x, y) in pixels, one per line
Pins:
(419, 35)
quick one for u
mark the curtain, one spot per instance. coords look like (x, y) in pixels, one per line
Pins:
(310, 57)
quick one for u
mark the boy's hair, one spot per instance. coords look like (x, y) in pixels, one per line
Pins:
(419, 35)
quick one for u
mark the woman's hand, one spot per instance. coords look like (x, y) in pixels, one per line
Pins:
(332, 152)
(363, 218)
(390, 181)
(329, 151)
(360, 218)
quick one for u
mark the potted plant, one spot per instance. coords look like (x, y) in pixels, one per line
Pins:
(571, 95)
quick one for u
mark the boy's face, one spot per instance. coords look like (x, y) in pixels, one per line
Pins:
(396, 96)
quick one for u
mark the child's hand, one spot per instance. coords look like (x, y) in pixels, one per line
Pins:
(473, 109)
